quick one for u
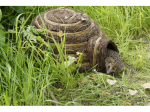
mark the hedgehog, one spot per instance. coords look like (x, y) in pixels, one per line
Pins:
(113, 63)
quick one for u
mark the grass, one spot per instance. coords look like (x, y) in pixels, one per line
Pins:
(26, 79)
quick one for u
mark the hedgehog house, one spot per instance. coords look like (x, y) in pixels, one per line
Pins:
(82, 34)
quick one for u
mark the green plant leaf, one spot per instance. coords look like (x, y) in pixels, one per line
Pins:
(0, 14)
(1, 26)
(11, 31)
(13, 20)
(29, 7)
(2, 36)
(69, 62)
(19, 9)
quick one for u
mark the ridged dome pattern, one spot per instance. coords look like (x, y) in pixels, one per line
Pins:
(76, 26)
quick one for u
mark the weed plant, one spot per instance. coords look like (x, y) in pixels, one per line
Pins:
(28, 73)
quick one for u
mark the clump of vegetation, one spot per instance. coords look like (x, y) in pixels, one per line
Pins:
(30, 75)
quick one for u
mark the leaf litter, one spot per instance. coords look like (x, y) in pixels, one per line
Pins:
(132, 92)
(146, 85)
(111, 82)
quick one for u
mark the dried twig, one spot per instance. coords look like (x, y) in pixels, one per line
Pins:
(53, 97)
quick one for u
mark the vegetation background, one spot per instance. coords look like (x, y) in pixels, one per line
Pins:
(26, 79)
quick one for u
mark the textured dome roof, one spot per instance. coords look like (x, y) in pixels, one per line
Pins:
(75, 25)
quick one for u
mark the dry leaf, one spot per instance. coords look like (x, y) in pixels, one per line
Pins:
(79, 53)
(105, 93)
(140, 39)
(60, 33)
(118, 92)
(111, 82)
(59, 89)
(125, 69)
(131, 92)
(146, 85)
(79, 82)
(126, 103)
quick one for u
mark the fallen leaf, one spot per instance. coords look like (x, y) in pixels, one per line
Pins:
(126, 103)
(105, 93)
(79, 82)
(118, 92)
(59, 89)
(79, 53)
(60, 33)
(138, 102)
(125, 69)
(132, 92)
(140, 39)
(111, 82)
(146, 85)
